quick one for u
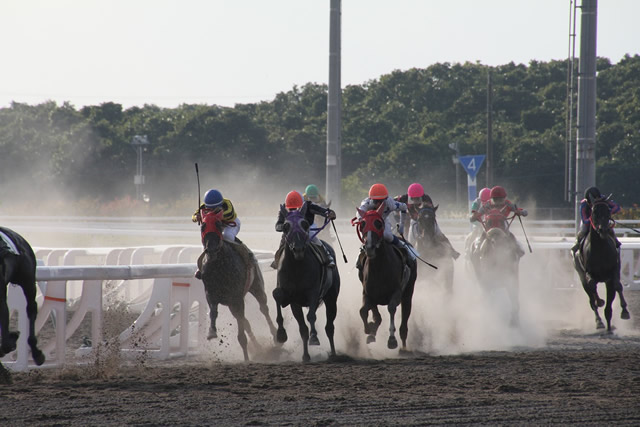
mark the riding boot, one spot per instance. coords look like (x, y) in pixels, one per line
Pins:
(198, 274)
(403, 245)
(579, 237)
(360, 260)
(331, 262)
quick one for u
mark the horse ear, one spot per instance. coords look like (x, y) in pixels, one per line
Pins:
(381, 208)
(360, 212)
(283, 211)
(435, 208)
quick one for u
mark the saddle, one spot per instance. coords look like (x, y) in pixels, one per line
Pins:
(326, 278)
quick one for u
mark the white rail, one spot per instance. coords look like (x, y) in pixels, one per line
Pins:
(158, 282)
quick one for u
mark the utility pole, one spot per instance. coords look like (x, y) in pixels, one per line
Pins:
(334, 109)
(489, 130)
(586, 140)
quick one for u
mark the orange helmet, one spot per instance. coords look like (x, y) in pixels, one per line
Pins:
(378, 192)
(498, 192)
(293, 200)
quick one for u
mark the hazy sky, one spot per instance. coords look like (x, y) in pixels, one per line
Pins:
(224, 52)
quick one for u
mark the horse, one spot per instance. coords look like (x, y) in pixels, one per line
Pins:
(422, 234)
(598, 260)
(495, 259)
(18, 266)
(303, 281)
(386, 278)
(228, 276)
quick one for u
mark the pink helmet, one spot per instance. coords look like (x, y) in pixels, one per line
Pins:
(415, 190)
(485, 195)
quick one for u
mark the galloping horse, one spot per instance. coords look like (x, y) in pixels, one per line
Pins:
(495, 259)
(18, 266)
(423, 236)
(303, 281)
(227, 278)
(386, 278)
(599, 261)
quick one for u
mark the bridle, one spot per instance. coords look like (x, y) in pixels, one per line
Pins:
(210, 221)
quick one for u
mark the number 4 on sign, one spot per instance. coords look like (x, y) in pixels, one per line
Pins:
(471, 164)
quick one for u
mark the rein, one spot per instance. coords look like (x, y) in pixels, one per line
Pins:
(368, 220)
(319, 229)
(495, 215)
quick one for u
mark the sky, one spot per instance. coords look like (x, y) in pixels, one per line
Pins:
(227, 52)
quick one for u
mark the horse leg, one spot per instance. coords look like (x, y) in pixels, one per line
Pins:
(311, 318)
(9, 339)
(406, 312)
(281, 334)
(304, 331)
(608, 310)
(370, 328)
(32, 313)
(330, 302)
(623, 303)
(257, 290)
(392, 342)
(237, 310)
(213, 315)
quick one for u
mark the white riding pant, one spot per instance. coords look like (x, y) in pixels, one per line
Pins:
(230, 232)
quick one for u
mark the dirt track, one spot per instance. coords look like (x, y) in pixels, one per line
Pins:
(596, 386)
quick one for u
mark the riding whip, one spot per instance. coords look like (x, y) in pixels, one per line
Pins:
(198, 179)
(525, 233)
(411, 249)
(338, 238)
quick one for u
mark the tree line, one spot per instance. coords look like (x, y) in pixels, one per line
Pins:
(395, 129)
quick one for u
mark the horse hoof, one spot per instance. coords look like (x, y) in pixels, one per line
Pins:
(370, 339)
(313, 340)
(281, 336)
(625, 315)
(599, 325)
(38, 357)
(392, 343)
(212, 334)
(306, 358)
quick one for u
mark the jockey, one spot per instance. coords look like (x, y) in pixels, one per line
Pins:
(214, 202)
(590, 195)
(416, 199)
(500, 202)
(292, 202)
(378, 195)
(483, 198)
(312, 194)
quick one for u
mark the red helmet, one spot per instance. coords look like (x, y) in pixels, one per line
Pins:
(498, 192)
(378, 192)
(415, 190)
(485, 195)
(293, 200)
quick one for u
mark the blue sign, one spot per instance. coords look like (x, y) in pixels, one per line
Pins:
(471, 164)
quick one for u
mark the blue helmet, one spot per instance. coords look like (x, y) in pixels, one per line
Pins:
(212, 199)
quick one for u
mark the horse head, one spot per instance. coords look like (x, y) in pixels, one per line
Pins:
(211, 233)
(426, 222)
(296, 231)
(371, 229)
(601, 218)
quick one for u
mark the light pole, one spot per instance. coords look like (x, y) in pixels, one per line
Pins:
(139, 142)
